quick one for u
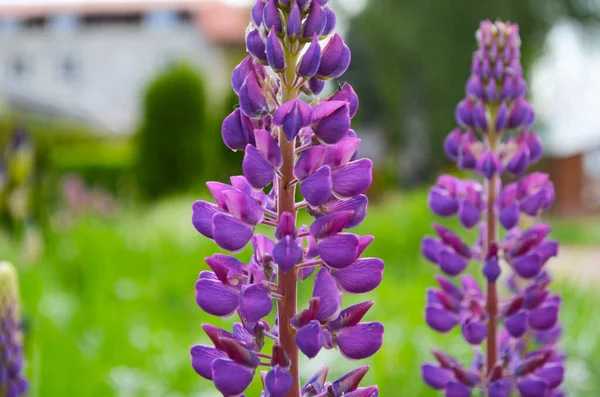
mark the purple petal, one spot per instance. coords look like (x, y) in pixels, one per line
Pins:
(330, 20)
(271, 16)
(316, 189)
(441, 202)
(230, 233)
(315, 21)
(362, 276)
(293, 116)
(532, 386)
(456, 389)
(255, 302)
(236, 130)
(431, 249)
(257, 168)
(342, 152)
(268, 146)
(335, 58)
(464, 113)
(278, 382)
(252, 98)
(339, 251)
(309, 339)
(357, 204)
(225, 267)
(316, 85)
(274, 50)
(350, 316)
(243, 207)
(500, 388)
(516, 325)
(452, 263)
(440, 319)
(309, 161)
(331, 121)
(287, 253)
(552, 374)
(360, 341)
(452, 144)
(352, 179)
(202, 358)
(474, 331)
(202, 214)
(371, 391)
(349, 382)
(310, 61)
(239, 353)
(317, 382)
(216, 298)
(328, 225)
(527, 266)
(256, 13)
(325, 288)
(509, 216)
(294, 25)
(468, 214)
(543, 318)
(436, 377)
(256, 48)
(346, 93)
(231, 378)
(286, 226)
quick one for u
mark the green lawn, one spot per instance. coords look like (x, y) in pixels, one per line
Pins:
(110, 308)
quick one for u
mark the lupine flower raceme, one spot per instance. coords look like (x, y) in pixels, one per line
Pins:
(292, 140)
(514, 336)
(12, 382)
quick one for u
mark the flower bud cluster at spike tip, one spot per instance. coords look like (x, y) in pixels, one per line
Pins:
(12, 382)
(290, 143)
(516, 337)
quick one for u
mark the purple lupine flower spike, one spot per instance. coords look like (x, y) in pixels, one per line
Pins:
(290, 144)
(12, 381)
(493, 137)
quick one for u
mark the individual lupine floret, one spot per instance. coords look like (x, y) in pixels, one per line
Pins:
(494, 138)
(289, 143)
(12, 381)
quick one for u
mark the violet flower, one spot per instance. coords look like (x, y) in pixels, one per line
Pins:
(289, 140)
(12, 382)
(520, 332)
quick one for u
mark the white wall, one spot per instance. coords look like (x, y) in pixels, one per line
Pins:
(112, 63)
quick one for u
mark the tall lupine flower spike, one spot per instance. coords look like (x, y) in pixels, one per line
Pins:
(520, 332)
(12, 382)
(290, 142)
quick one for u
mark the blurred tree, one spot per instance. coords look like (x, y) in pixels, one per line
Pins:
(176, 143)
(411, 59)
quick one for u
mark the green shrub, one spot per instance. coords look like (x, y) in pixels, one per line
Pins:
(176, 142)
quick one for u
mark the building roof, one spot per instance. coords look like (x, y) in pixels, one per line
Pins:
(221, 23)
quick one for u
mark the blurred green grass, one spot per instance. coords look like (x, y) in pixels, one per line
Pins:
(110, 308)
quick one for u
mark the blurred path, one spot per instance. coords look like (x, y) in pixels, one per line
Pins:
(578, 263)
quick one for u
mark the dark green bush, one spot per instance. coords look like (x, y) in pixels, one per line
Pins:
(176, 141)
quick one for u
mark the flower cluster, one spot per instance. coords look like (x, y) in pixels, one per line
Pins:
(12, 382)
(520, 331)
(290, 138)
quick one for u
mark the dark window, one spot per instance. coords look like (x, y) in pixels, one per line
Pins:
(18, 69)
(35, 23)
(111, 19)
(69, 68)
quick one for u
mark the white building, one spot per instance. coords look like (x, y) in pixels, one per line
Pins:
(91, 61)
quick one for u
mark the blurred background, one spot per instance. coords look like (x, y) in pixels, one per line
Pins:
(110, 115)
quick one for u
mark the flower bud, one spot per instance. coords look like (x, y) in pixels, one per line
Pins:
(315, 21)
(452, 144)
(335, 58)
(256, 46)
(309, 64)
(331, 121)
(316, 85)
(330, 20)
(464, 113)
(274, 52)
(294, 24)
(252, 98)
(292, 116)
(271, 17)
(346, 93)
(256, 13)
